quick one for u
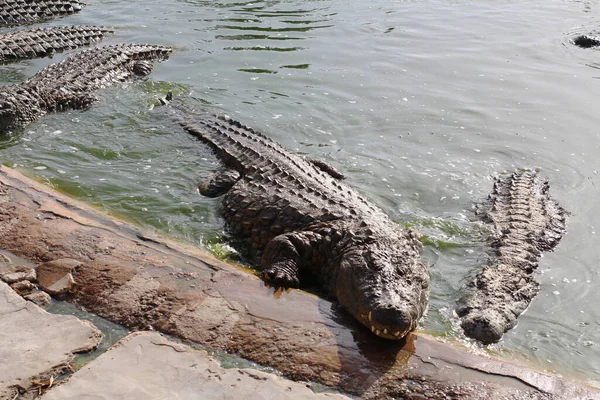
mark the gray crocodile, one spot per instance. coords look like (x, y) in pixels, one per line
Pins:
(32, 43)
(70, 84)
(524, 222)
(18, 12)
(300, 219)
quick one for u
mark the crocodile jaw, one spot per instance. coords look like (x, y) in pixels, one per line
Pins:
(384, 291)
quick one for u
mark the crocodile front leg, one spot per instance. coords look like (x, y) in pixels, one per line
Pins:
(284, 255)
(220, 183)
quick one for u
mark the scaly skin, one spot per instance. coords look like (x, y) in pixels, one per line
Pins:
(525, 221)
(70, 84)
(299, 217)
(18, 12)
(32, 43)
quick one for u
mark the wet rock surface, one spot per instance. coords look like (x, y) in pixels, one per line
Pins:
(34, 344)
(147, 366)
(55, 276)
(23, 287)
(40, 298)
(17, 273)
(143, 282)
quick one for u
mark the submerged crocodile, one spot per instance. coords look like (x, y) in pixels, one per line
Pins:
(18, 12)
(586, 41)
(524, 221)
(23, 44)
(70, 84)
(301, 219)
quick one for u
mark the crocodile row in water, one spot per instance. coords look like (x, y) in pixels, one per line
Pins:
(70, 84)
(297, 214)
(301, 219)
(524, 221)
(44, 42)
(18, 12)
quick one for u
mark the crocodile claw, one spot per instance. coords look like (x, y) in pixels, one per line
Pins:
(277, 277)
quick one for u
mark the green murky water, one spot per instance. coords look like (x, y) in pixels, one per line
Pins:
(419, 103)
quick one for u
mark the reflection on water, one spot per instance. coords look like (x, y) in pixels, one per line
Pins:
(267, 24)
(419, 103)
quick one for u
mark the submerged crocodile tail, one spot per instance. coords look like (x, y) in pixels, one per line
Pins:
(44, 42)
(19, 12)
(524, 221)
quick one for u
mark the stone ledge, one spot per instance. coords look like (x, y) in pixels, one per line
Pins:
(36, 344)
(142, 282)
(147, 366)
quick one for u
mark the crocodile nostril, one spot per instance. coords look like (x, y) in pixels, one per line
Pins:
(393, 319)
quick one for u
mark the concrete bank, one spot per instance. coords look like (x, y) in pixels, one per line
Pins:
(36, 346)
(147, 282)
(147, 366)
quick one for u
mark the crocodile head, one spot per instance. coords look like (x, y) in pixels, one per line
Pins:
(384, 285)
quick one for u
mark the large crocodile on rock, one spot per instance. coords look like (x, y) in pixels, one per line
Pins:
(301, 219)
(71, 83)
(18, 12)
(524, 221)
(23, 44)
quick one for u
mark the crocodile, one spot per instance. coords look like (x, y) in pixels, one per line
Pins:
(19, 12)
(32, 43)
(524, 221)
(70, 84)
(302, 221)
(586, 41)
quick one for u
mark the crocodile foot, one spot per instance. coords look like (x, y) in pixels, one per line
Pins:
(280, 275)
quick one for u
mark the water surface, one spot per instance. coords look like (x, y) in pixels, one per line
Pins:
(421, 104)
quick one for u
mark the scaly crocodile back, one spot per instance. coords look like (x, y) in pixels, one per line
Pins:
(18, 12)
(71, 83)
(44, 42)
(268, 168)
(524, 221)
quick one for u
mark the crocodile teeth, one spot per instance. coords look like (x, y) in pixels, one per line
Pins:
(370, 315)
(377, 332)
(385, 331)
(372, 329)
(397, 333)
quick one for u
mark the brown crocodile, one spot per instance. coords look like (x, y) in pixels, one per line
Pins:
(18, 12)
(300, 219)
(31, 43)
(524, 222)
(71, 83)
